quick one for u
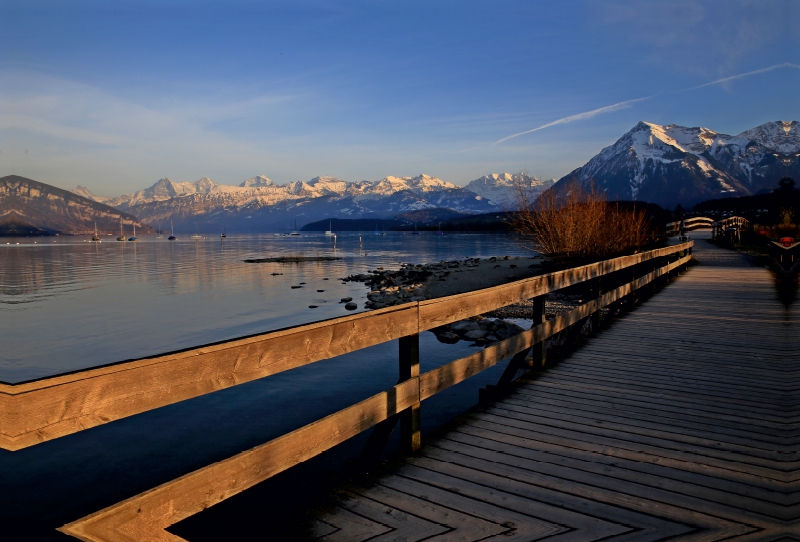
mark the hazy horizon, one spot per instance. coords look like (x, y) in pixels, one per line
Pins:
(116, 96)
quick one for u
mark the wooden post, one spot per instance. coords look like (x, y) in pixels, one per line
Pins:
(597, 315)
(410, 418)
(539, 349)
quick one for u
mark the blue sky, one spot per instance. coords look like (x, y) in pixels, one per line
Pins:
(115, 95)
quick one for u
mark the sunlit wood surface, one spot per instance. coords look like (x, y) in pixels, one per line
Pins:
(679, 422)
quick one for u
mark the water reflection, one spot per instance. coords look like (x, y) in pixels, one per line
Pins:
(74, 304)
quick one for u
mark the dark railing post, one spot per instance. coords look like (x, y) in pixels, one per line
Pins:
(539, 317)
(597, 315)
(410, 418)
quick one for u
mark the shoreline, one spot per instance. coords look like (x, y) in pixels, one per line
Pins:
(450, 277)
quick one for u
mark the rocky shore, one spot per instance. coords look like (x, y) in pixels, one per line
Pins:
(449, 277)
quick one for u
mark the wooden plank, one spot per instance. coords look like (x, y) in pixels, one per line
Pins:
(62, 405)
(145, 516)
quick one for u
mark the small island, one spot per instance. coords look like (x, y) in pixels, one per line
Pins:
(293, 259)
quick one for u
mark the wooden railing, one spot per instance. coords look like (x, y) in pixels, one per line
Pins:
(717, 226)
(694, 223)
(38, 411)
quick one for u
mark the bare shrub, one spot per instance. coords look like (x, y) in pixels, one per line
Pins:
(577, 224)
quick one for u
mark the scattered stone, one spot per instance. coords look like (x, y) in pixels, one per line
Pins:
(351, 306)
(346, 299)
(274, 274)
(448, 337)
(296, 287)
(465, 325)
(475, 334)
(302, 283)
(312, 306)
(320, 291)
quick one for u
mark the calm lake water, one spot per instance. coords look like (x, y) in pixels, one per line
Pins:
(72, 304)
(67, 303)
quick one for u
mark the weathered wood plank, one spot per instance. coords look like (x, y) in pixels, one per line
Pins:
(145, 516)
(63, 405)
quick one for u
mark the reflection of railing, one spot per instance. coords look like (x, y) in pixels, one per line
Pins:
(39, 411)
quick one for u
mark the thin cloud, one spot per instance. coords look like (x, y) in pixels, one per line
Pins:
(579, 116)
(747, 74)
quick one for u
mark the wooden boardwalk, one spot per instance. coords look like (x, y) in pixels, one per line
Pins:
(681, 421)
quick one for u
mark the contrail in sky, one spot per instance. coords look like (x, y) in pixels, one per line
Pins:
(579, 116)
(627, 103)
(747, 74)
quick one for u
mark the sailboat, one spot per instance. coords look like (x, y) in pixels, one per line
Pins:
(330, 233)
(415, 232)
(295, 232)
(95, 237)
(172, 228)
(440, 232)
(376, 232)
(121, 235)
(134, 238)
(222, 235)
(196, 235)
(159, 236)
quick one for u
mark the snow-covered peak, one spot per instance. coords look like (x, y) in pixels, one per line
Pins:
(420, 183)
(499, 187)
(327, 184)
(780, 136)
(258, 180)
(85, 193)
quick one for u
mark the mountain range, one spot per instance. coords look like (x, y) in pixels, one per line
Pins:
(259, 204)
(665, 165)
(671, 165)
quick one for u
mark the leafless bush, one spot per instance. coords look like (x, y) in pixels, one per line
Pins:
(577, 224)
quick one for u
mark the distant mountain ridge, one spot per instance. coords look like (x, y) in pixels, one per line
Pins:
(499, 187)
(668, 165)
(29, 206)
(259, 204)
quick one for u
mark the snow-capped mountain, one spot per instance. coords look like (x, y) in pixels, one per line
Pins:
(499, 187)
(163, 190)
(259, 204)
(673, 164)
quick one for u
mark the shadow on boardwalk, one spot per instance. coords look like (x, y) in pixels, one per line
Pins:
(679, 422)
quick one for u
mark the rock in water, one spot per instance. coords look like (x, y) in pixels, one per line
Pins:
(351, 306)
(447, 337)
(475, 334)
